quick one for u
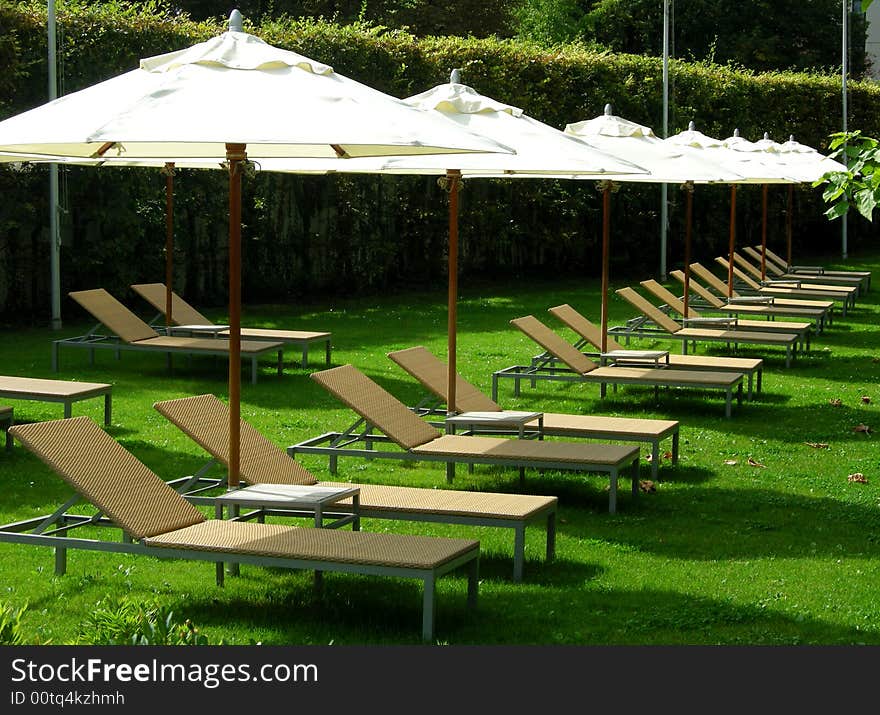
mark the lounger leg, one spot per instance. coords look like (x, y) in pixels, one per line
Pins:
(68, 409)
(219, 573)
(612, 494)
(60, 561)
(333, 463)
(684, 347)
(728, 408)
(305, 355)
(450, 472)
(108, 409)
(428, 608)
(760, 375)
(494, 388)
(635, 478)
(551, 536)
(516, 387)
(749, 393)
(519, 551)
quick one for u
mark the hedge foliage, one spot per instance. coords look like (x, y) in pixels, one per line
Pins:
(307, 235)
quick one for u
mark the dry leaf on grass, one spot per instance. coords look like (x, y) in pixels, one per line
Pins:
(858, 477)
(755, 463)
(646, 485)
(667, 455)
(730, 462)
(866, 400)
(835, 402)
(862, 428)
(817, 445)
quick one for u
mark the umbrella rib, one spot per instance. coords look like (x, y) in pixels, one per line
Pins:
(340, 152)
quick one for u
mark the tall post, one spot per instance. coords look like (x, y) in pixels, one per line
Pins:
(788, 223)
(605, 188)
(764, 232)
(169, 239)
(236, 155)
(732, 240)
(689, 219)
(54, 232)
(844, 98)
(664, 195)
(453, 178)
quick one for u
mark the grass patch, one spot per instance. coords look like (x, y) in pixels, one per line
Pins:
(721, 553)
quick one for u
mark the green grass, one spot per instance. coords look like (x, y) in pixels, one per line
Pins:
(718, 554)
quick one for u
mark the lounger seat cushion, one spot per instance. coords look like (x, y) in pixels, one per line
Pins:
(560, 423)
(208, 344)
(284, 541)
(465, 446)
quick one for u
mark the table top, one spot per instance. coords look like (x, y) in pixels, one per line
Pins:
(510, 417)
(307, 495)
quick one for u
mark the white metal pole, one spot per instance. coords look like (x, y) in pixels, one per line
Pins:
(844, 70)
(663, 187)
(54, 233)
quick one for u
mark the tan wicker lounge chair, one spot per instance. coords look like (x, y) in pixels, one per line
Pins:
(64, 391)
(157, 521)
(752, 368)
(802, 329)
(131, 333)
(816, 275)
(654, 322)
(847, 292)
(205, 420)
(711, 303)
(781, 264)
(431, 372)
(416, 440)
(570, 365)
(787, 289)
(187, 320)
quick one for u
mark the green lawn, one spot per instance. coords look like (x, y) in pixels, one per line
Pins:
(719, 553)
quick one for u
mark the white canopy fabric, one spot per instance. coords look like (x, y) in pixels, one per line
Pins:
(760, 162)
(234, 88)
(666, 162)
(806, 163)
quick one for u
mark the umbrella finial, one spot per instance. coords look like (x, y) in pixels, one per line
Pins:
(455, 76)
(235, 21)
(608, 110)
(791, 137)
(691, 126)
(766, 136)
(736, 132)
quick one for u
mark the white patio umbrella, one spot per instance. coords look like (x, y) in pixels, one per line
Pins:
(541, 152)
(666, 162)
(229, 100)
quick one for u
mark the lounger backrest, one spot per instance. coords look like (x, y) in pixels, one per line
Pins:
(563, 351)
(698, 288)
(741, 261)
(668, 297)
(769, 265)
(114, 315)
(649, 310)
(205, 420)
(182, 313)
(108, 475)
(777, 259)
(744, 277)
(432, 373)
(590, 332)
(711, 279)
(376, 405)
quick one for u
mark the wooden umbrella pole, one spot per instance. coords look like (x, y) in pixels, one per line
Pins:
(453, 179)
(732, 240)
(605, 188)
(788, 221)
(689, 219)
(236, 155)
(169, 238)
(764, 232)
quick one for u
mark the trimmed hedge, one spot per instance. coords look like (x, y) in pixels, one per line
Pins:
(305, 235)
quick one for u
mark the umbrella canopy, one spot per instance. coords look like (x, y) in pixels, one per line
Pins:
(228, 100)
(806, 163)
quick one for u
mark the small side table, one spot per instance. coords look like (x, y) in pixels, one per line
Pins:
(636, 358)
(499, 420)
(281, 499)
(197, 330)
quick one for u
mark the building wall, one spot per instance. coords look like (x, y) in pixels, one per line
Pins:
(872, 43)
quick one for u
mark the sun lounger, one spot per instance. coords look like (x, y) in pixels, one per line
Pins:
(431, 372)
(774, 272)
(570, 365)
(416, 440)
(157, 521)
(186, 320)
(849, 293)
(64, 391)
(659, 324)
(710, 302)
(787, 290)
(780, 263)
(591, 334)
(693, 318)
(759, 298)
(131, 333)
(205, 420)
